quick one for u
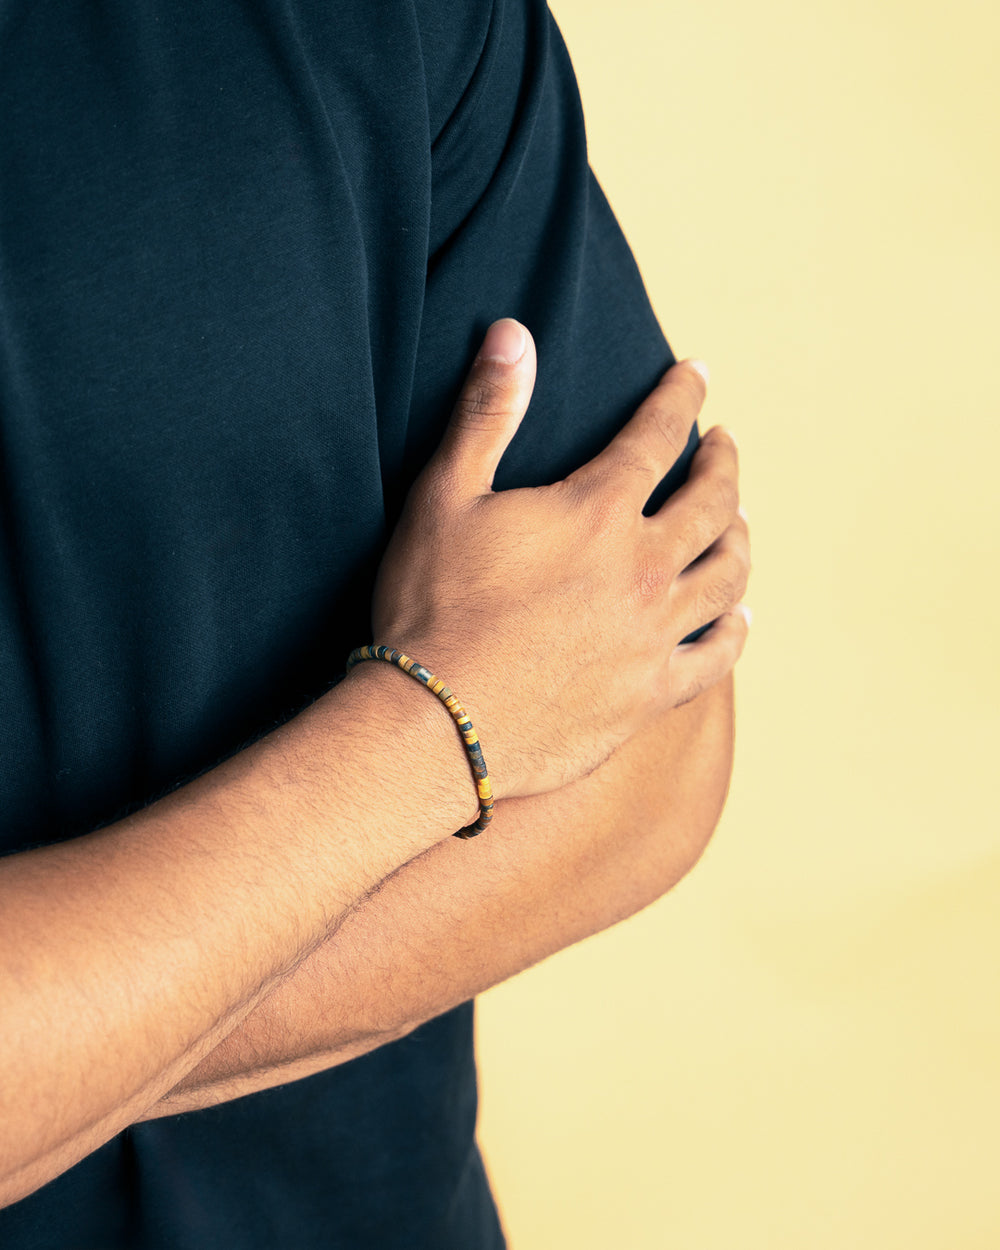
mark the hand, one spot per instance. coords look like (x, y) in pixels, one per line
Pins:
(554, 613)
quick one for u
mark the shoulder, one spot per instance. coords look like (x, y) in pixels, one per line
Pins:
(478, 48)
(453, 36)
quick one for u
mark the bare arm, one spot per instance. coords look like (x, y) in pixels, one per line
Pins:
(126, 956)
(554, 869)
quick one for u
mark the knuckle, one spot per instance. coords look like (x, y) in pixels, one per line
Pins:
(741, 579)
(607, 502)
(705, 519)
(703, 524)
(739, 549)
(485, 402)
(613, 510)
(650, 579)
(630, 462)
(742, 558)
(672, 426)
(727, 494)
(721, 591)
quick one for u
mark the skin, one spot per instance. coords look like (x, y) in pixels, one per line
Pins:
(251, 894)
(555, 868)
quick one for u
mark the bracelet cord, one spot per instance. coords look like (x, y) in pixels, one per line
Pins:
(470, 738)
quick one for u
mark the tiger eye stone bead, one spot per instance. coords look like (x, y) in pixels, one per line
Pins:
(469, 736)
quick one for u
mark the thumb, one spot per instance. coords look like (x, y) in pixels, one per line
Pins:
(489, 409)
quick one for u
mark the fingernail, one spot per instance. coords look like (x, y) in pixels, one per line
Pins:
(747, 614)
(741, 511)
(505, 341)
(702, 368)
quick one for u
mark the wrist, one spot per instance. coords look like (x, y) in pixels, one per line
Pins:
(417, 745)
(474, 686)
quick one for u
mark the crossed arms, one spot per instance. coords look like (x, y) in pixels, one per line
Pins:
(282, 915)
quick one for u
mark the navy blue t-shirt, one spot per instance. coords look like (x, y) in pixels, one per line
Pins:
(248, 249)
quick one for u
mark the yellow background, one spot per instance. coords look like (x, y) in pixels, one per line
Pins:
(800, 1046)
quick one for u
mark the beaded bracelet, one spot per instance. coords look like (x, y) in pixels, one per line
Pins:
(469, 736)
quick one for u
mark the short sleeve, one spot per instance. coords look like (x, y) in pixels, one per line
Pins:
(520, 227)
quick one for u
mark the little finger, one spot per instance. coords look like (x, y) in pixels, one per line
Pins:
(695, 666)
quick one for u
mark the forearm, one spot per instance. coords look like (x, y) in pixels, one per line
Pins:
(551, 870)
(126, 955)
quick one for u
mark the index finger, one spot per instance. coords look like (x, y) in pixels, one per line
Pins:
(643, 451)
